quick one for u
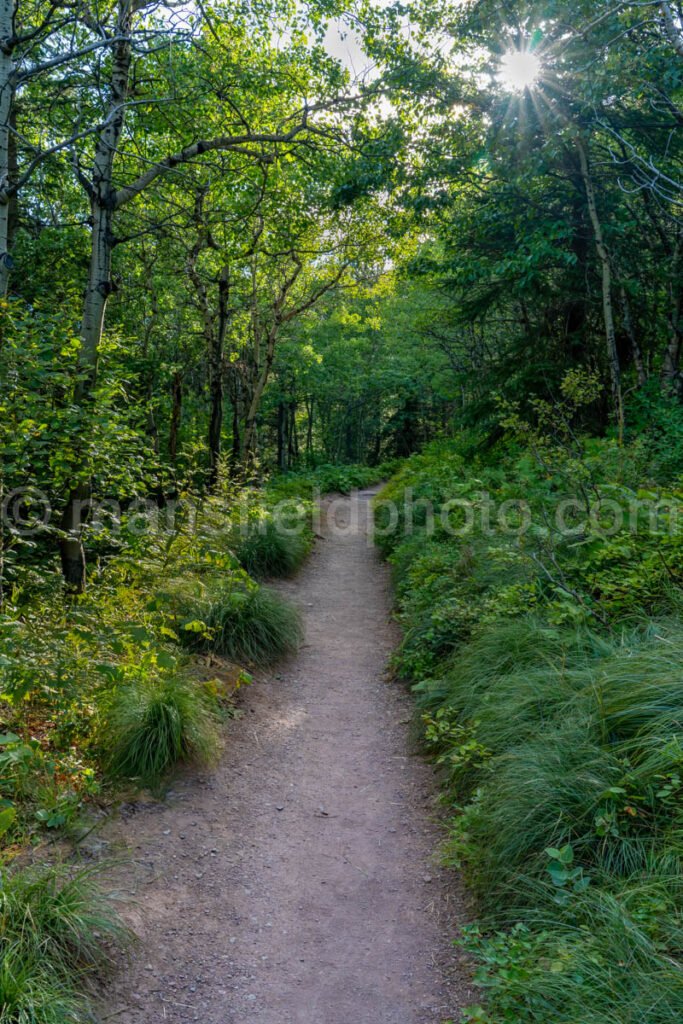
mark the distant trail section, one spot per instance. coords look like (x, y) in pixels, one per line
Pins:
(297, 884)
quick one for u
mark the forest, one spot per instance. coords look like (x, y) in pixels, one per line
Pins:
(255, 252)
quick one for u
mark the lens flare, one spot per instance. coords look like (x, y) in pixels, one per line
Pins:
(519, 70)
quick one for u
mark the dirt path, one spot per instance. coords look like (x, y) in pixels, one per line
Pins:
(296, 885)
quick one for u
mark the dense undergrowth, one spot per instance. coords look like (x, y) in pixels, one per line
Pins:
(332, 479)
(106, 690)
(546, 662)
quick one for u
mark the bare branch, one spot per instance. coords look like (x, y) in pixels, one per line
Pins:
(64, 58)
(191, 152)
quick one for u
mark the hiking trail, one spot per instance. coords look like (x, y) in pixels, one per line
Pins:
(297, 883)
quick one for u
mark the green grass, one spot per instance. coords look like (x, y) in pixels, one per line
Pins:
(30, 993)
(255, 626)
(270, 551)
(602, 962)
(57, 932)
(151, 725)
(584, 735)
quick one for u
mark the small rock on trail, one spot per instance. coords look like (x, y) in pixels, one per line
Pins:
(297, 885)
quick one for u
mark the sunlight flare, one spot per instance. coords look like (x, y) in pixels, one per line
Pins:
(519, 70)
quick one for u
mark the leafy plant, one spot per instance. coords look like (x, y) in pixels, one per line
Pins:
(553, 701)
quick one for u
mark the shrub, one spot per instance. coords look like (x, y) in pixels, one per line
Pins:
(328, 479)
(151, 725)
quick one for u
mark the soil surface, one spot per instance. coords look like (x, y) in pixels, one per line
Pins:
(297, 884)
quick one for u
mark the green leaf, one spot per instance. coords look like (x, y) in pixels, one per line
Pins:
(7, 817)
(195, 626)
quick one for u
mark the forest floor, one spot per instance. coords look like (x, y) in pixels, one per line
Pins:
(297, 884)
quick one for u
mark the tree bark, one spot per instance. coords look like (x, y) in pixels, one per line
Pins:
(606, 273)
(293, 439)
(176, 412)
(99, 287)
(281, 436)
(671, 371)
(216, 376)
(641, 374)
(257, 395)
(7, 87)
(672, 30)
(309, 424)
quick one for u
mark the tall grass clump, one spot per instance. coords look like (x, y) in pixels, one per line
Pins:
(268, 550)
(151, 725)
(58, 931)
(255, 625)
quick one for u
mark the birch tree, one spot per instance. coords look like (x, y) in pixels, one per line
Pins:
(286, 124)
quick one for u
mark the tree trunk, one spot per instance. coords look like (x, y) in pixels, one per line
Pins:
(606, 271)
(236, 437)
(255, 403)
(671, 373)
(293, 440)
(97, 292)
(377, 447)
(309, 425)
(176, 411)
(641, 374)
(672, 29)
(216, 377)
(281, 436)
(13, 205)
(71, 550)
(99, 287)
(7, 74)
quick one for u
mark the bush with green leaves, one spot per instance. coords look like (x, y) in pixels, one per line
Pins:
(119, 657)
(100, 691)
(330, 479)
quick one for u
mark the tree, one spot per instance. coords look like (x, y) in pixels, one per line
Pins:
(285, 126)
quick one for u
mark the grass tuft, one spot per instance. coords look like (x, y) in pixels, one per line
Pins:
(57, 929)
(152, 725)
(268, 551)
(256, 626)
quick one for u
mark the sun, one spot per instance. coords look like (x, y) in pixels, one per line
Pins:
(519, 70)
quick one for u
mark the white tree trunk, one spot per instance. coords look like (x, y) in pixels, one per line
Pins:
(99, 286)
(606, 271)
(673, 30)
